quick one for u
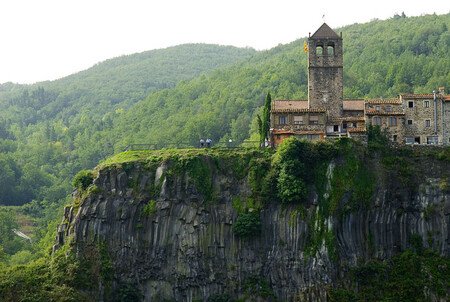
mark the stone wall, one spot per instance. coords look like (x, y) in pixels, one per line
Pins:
(418, 116)
(446, 122)
(325, 77)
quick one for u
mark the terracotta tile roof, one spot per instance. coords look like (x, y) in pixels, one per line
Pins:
(384, 101)
(279, 106)
(353, 130)
(425, 96)
(310, 132)
(353, 105)
(417, 96)
(325, 31)
(375, 112)
(289, 104)
(275, 131)
(278, 131)
(353, 119)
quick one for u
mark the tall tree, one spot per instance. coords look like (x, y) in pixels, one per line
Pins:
(266, 118)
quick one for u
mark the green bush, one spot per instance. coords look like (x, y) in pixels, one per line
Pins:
(247, 225)
(256, 286)
(83, 179)
(149, 208)
(290, 188)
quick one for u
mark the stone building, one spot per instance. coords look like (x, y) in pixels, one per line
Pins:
(408, 119)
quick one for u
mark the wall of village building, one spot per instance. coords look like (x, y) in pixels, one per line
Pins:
(446, 122)
(412, 118)
(423, 123)
(389, 115)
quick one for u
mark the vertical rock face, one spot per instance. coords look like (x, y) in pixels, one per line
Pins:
(181, 246)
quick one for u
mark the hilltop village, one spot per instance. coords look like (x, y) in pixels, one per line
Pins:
(408, 119)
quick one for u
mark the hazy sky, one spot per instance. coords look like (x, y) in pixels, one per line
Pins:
(48, 39)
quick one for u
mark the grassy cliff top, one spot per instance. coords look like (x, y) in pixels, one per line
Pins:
(167, 154)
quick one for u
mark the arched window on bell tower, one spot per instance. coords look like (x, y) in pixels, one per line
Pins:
(319, 50)
(330, 49)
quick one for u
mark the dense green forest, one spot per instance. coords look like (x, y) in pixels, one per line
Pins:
(51, 130)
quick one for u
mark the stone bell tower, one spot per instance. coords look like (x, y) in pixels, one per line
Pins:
(325, 72)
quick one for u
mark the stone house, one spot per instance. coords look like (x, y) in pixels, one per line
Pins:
(408, 119)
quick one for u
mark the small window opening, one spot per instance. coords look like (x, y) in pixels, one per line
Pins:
(314, 120)
(283, 120)
(427, 123)
(426, 104)
(344, 125)
(394, 138)
(319, 50)
(409, 122)
(417, 140)
(330, 50)
(336, 128)
(392, 121)
(377, 121)
(298, 119)
(410, 104)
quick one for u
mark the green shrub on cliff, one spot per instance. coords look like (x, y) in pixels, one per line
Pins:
(149, 208)
(83, 179)
(408, 276)
(247, 225)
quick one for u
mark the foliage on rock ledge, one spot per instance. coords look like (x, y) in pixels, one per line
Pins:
(413, 275)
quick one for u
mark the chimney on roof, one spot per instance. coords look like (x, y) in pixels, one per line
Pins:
(442, 90)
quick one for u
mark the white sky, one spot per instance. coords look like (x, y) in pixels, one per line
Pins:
(48, 39)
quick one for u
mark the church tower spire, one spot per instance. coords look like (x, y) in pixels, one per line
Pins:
(325, 72)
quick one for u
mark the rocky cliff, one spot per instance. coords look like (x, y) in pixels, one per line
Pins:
(163, 224)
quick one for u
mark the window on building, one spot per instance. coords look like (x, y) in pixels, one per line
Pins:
(388, 108)
(427, 123)
(394, 138)
(282, 120)
(330, 50)
(344, 126)
(410, 104)
(377, 108)
(377, 121)
(426, 104)
(314, 120)
(319, 50)
(298, 119)
(409, 122)
(354, 125)
(432, 140)
(313, 137)
(335, 128)
(409, 140)
(417, 140)
(392, 121)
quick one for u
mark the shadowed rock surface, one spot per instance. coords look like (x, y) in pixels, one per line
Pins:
(184, 248)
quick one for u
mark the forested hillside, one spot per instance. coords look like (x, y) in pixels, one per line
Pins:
(42, 125)
(51, 130)
(381, 59)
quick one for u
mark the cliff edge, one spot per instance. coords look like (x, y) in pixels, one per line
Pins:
(296, 224)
